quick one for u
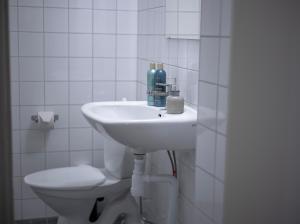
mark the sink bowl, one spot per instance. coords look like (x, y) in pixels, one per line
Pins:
(144, 128)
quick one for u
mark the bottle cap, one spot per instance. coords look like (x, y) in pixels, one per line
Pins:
(160, 66)
(152, 65)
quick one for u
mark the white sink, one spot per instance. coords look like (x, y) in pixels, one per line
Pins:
(145, 128)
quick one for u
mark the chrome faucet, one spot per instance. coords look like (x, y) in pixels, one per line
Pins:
(160, 92)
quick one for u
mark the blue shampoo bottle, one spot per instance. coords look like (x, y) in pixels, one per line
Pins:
(151, 84)
(160, 77)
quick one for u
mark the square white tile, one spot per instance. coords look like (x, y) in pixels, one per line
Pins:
(30, 19)
(13, 2)
(83, 4)
(17, 182)
(14, 93)
(220, 157)
(81, 157)
(56, 69)
(190, 5)
(127, 46)
(16, 160)
(80, 20)
(15, 118)
(13, 18)
(17, 209)
(77, 120)
(219, 201)
(80, 139)
(103, 91)
(56, 93)
(127, 5)
(32, 162)
(104, 21)
(56, 20)
(210, 17)
(208, 98)
(33, 208)
(81, 69)
(104, 69)
(16, 144)
(127, 22)
(56, 44)
(36, 3)
(185, 27)
(31, 44)
(57, 160)
(126, 90)
(126, 69)
(224, 70)
(209, 59)
(57, 140)
(80, 92)
(14, 69)
(31, 69)
(105, 4)
(204, 192)
(226, 20)
(31, 93)
(56, 3)
(98, 158)
(81, 45)
(13, 44)
(222, 110)
(206, 149)
(104, 45)
(98, 140)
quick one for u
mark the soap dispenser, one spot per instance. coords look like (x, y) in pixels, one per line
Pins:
(160, 89)
(151, 84)
(175, 102)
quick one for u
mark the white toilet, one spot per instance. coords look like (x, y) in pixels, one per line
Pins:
(84, 194)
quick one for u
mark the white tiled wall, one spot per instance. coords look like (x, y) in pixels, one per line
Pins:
(65, 53)
(202, 70)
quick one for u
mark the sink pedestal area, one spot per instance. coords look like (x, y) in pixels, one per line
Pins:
(147, 129)
(139, 179)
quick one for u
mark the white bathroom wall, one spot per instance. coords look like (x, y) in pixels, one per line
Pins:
(213, 93)
(63, 54)
(202, 70)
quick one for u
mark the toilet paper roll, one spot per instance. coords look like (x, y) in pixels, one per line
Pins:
(46, 119)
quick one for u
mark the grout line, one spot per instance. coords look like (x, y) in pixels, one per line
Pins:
(73, 8)
(19, 112)
(92, 137)
(116, 51)
(69, 129)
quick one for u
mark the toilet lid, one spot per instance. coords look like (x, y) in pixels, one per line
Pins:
(79, 177)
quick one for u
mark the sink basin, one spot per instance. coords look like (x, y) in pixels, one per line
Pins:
(144, 128)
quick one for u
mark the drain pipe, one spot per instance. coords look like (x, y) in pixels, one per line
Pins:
(139, 179)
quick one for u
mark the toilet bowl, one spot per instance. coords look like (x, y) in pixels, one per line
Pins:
(82, 194)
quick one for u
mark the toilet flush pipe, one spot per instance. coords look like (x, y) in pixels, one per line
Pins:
(139, 180)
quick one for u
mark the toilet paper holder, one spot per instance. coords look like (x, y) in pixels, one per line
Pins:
(35, 118)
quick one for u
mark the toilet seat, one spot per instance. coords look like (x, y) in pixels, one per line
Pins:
(82, 177)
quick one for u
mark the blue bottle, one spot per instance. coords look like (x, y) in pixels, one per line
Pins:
(151, 84)
(160, 78)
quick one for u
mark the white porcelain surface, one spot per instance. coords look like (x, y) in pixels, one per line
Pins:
(69, 178)
(73, 198)
(145, 128)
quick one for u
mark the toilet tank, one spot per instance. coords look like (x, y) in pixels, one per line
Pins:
(118, 159)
